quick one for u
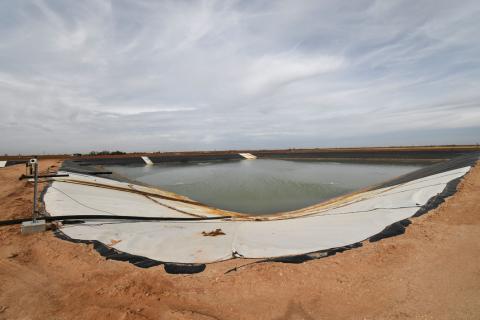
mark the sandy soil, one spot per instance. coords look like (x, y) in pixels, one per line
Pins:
(430, 272)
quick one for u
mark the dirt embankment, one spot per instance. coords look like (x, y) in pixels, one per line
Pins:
(356, 153)
(430, 272)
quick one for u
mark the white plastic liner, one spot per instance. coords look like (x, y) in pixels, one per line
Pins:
(147, 160)
(183, 242)
(3, 164)
(248, 156)
(66, 198)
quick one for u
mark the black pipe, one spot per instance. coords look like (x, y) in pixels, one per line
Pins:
(106, 217)
(90, 172)
(43, 176)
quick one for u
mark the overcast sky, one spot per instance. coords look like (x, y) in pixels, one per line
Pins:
(77, 76)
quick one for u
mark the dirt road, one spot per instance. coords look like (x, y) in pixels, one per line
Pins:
(430, 272)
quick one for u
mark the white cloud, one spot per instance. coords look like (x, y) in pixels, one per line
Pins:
(271, 71)
(173, 75)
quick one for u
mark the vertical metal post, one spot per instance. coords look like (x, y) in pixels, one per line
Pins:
(35, 182)
(34, 225)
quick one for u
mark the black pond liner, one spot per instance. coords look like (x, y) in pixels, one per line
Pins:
(313, 255)
(14, 162)
(80, 167)
(138, 261)
(434, 202)
(392, 230)
(455, 163)
(91, 162)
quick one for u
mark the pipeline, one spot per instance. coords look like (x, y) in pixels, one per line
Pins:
(93, 173)
(105, 217)
(23, 176)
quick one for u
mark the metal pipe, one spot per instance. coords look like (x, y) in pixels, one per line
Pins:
(35, 190)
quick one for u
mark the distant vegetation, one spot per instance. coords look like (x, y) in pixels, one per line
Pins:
(104, 153)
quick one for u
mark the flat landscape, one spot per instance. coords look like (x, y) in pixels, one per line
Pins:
(430, 272)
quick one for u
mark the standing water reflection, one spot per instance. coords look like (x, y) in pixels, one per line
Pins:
(263, 186)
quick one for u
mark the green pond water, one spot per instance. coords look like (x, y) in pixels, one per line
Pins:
(262, 186)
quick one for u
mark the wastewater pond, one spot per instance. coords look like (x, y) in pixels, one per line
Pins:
(262, 186)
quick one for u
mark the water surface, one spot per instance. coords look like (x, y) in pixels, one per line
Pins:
(262, 186)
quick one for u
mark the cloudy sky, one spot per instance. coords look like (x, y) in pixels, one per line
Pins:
(77, 76)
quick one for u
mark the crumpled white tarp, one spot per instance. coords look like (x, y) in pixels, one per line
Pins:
(184, 241)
